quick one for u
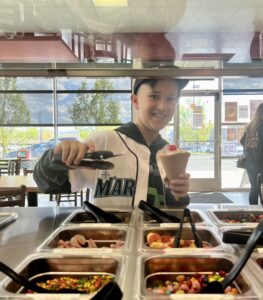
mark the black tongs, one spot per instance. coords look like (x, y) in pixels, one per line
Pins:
(101, 215)
(99, 155)
(197, 238)
(239, 237)
(157, 214)
(94, 160)
(110, 291)
(216, 287)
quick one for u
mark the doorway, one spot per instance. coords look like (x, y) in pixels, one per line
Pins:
(198, 133)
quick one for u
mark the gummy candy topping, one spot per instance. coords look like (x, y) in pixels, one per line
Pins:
(172, 148)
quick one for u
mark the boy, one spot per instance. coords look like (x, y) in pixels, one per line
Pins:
(136, 175)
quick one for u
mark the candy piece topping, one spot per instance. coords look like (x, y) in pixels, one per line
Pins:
(172, 148)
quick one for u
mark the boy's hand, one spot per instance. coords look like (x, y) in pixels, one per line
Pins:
(179, 187)
(72, 152)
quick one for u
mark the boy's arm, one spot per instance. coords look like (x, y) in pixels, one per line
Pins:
(51, 177)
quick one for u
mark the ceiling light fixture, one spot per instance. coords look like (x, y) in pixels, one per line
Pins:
(110, 2)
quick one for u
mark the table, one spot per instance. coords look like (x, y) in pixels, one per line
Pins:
(13, 181)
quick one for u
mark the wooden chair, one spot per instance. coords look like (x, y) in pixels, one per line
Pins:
(71, 197)
(14, 167)
(3, 167)
(10, 167)
(13, 196)
(27, 171)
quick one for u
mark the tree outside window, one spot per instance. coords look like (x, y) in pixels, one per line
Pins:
(13, 110)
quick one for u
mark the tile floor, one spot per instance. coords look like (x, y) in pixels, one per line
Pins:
(239, 198)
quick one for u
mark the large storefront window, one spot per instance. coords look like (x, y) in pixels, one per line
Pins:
(239, 102)
(51, 110)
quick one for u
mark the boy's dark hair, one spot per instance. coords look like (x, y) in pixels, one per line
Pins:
(151, 82)
(161, 65)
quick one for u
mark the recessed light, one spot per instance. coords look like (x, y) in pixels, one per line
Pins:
(110, 2)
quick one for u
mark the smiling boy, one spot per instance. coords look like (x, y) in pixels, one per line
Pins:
(138, 174)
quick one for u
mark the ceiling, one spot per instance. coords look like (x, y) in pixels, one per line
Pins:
(197, 27)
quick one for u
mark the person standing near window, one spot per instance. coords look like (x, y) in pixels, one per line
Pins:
(138, 173)
(252, 142)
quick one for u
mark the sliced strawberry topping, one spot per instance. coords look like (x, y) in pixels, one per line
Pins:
(172, 148)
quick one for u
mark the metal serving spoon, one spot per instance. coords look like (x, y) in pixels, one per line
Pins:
(216, 287)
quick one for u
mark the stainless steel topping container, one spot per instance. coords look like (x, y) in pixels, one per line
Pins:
(219, 216)
(79, 216)
(43, 264)
(238, 247)
(161, 265)
(6, 218)
(199, 217)
(87, 276)
(103, 236)
(258, 258)
(207, 234)
(256, 266)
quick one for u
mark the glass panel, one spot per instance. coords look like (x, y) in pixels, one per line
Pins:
(187, 30)
(25, 83)
(243, 83)
(82, 83)
(80, 133)
(211, 84)
(239, 108)
(168, 134)
(93, 108)
(237, 111)
(196, 133)
(231, 176)
(34, 139)
(26, 109)
(230, 144)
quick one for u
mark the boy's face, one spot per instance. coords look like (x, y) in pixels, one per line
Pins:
(156, 105)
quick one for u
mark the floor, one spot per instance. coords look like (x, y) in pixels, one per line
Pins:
(238, 198)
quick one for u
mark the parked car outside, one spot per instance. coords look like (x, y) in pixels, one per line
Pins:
(36, 150)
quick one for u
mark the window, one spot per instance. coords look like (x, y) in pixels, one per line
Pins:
(53, 109)
(241, 96)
